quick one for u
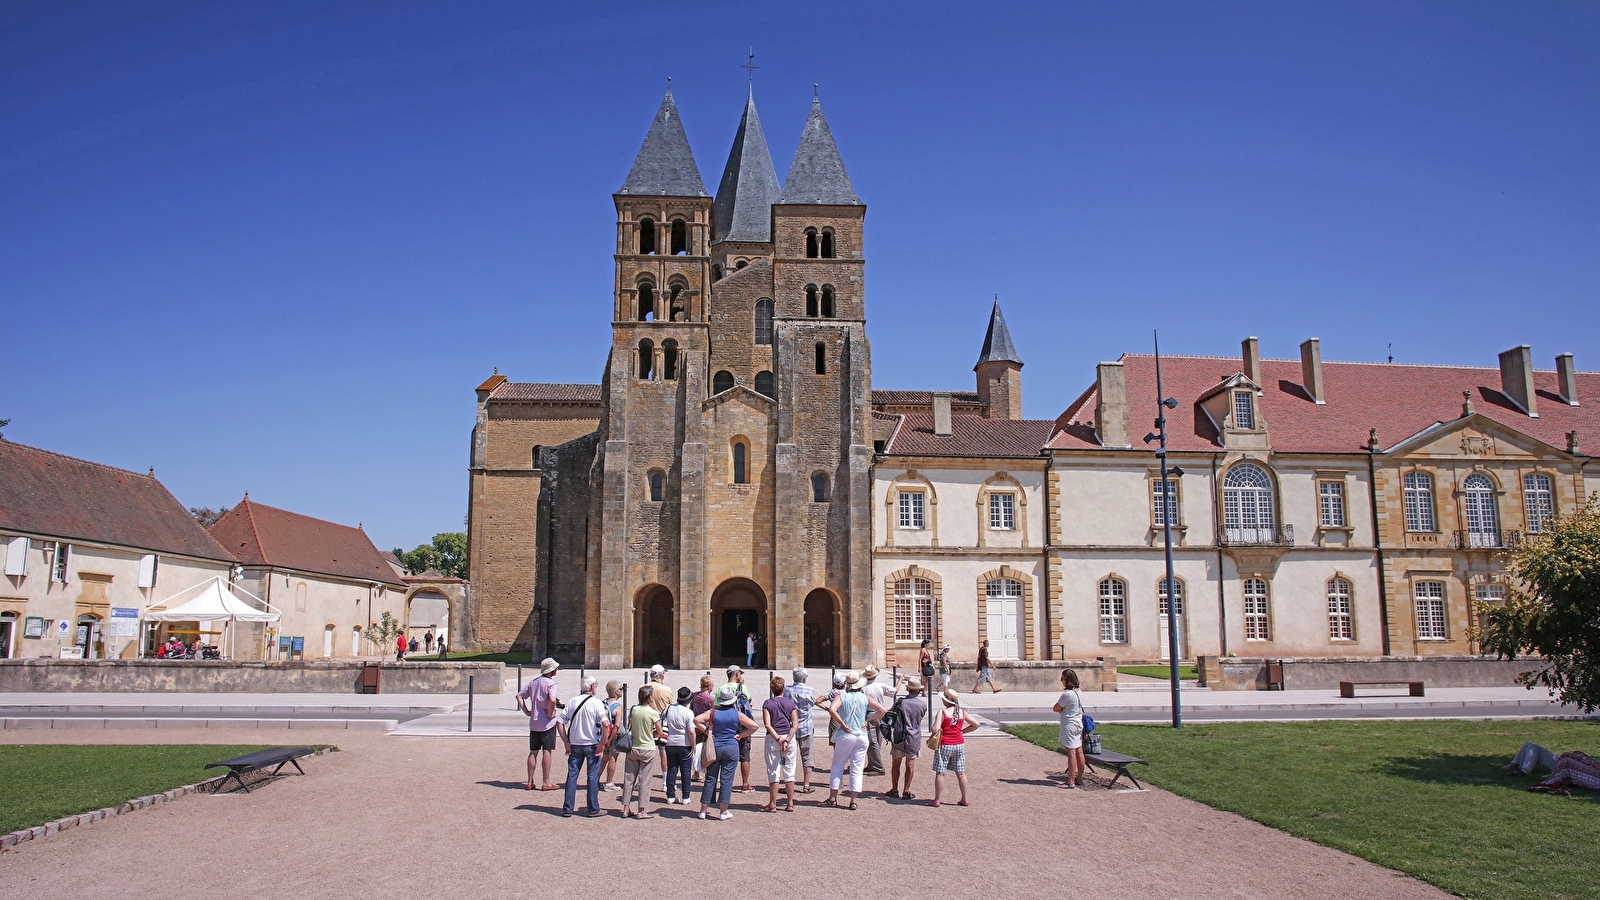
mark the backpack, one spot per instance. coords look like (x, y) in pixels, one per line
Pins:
(893, 725)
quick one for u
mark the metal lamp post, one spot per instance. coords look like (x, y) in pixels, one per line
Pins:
(1164, 403)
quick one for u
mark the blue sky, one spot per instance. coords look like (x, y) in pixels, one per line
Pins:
(273, 247)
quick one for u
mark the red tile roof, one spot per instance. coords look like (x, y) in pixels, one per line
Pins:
(1398, 400)
(261, 535)
(50, 495)
(970, 436)
(560, 393)
(923, 398)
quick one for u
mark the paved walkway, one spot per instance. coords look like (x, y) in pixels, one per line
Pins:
(392, 816)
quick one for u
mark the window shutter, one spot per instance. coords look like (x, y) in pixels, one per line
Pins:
(17, 556)
(147, 570)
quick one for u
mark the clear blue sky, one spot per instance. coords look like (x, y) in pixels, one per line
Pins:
(272, 247)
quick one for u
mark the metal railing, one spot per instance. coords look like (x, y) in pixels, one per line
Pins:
(1264, 536)
(1485, 540)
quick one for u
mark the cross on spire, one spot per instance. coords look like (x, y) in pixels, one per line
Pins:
(750, 66)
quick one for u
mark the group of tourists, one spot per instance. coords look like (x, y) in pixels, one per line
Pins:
(708, 734)
(404, 645)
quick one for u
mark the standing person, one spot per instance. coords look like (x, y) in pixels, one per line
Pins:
(925, 659)
(952, 725)
(537, 699)
(829, 701)
(660, 701)
(985, 669)
(443, 651)
(746, 709)
(944, 667)
(644, 724)
(726, 727)
(1070, 706)
(701, 702)
(913, 708)
(805, 699)
(412, 646)
(583, 728)
(427, 641)
(877, 693)
(750, 649)
(678, 722)
(855, 713)
(399, 649)
(614, 724)
(781, 718)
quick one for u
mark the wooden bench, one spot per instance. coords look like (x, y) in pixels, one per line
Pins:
(1347, 689)
(252, 762)
(1118, 761)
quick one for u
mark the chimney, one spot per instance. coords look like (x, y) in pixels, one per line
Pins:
(1311, 370)
(1516, 379)
(1252, 359)
(941, 413)
(1111, 405)
(1567, 379)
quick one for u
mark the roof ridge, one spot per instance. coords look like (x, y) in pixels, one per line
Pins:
(78, 459)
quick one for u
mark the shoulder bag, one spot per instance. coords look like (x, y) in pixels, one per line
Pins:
(622, 742)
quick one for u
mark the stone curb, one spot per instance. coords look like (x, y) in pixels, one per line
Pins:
(9, 842)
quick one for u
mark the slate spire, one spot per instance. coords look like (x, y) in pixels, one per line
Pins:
(665, 166)
(817, 174)
(749, 187)
(997, 346)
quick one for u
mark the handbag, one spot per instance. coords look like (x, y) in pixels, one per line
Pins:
(622, 741)
(708, 754)
(1091, 743)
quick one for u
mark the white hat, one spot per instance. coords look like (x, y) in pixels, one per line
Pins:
(734, 670)
(657, 670)
(853, 681)
(548, 665)
(727, 696)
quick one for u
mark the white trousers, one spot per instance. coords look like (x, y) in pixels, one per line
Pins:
(849, 752)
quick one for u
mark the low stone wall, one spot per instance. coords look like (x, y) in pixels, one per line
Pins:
(115, 676)
(1039, 675)
(1315, 674)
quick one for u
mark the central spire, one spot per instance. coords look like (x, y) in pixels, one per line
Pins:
(665, 165)
(749, 186)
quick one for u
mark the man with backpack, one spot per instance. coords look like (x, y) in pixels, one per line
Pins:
(880, 695)
(905, 736)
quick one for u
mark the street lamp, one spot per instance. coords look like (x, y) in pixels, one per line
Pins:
(1164, 403)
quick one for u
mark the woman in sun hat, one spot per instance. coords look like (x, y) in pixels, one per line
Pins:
(725, 727)
(952, 725)
(854, 712)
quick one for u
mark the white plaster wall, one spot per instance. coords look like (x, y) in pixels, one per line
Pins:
(1104, 502)
(345, 605)
(956, 617)
(955, 494)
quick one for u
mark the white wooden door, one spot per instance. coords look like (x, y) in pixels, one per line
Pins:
(1183, 651)
(327, 643)
(1004, 613)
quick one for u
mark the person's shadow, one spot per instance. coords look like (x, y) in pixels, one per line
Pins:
(506, 785)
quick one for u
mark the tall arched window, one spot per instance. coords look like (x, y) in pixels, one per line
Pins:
(1539, 498)
(669, 359)
(1483, 515)
(819, 487)
(741, 474)
(716, 272)
(647, 301)
(827, 301)
(1419, 502)
(680, 237)
(1247, 507)
(722, 381)
(764, 385)
(811, 300)
(675, 305)
(1341, 615)
(811, 243)
(658, 485)
(822, 358)
(1257, 615)
(764, 321)
(913, 609)
(647, 237)
(1113, 611)
(827, 244)
(647, 360)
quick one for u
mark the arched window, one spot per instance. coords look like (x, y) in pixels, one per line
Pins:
(741, 264)
(819, 487)
(811, 300)
(1161, 595)
(1257, 618)
(647, 237)
(669, 359)
(741, 474)
(680, 237)
(1419, 502)
(1483, 515)
(1247, 506)
(647, 360)
(827, 244)
(764, 321)
(822, 358)
(722, 381)
(1341, 615)
(764, 385)
(658, 485)
(913, 609)
(1113, 611)
(675, 306)
(1539, 498)
(647, 301)
(827, 301)
(716, 272)
(811, 243)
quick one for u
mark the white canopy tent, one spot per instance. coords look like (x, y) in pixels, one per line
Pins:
(213, 600)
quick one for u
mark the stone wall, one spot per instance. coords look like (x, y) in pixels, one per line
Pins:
(1038, 675)
(201, 676)
(1245, 674)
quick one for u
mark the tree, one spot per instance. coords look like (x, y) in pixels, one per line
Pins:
(1553, 610)
(4, 423)
(384, 633)
(447, 555)
(207, 516)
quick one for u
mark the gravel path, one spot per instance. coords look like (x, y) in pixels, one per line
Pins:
(448, 816)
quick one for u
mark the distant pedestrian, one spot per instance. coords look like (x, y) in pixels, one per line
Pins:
(944, 667)
(443, 651)
(644, 725)
(750, 649)
(781, 719)
(537, 700)
(805, 699)
(985, 669)
(412, 646)
(880, 695)
(400, 649)
(614, 724)
(703, 701)
(727, 727)
(952, 725)
(678, 722)
(855, 713)
(427, 642)
(913, 709)
(583, 727)
(1070, 706)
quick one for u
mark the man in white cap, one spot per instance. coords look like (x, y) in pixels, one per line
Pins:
(582, 726)
(736, 681)
(537, 700)
(660, 701)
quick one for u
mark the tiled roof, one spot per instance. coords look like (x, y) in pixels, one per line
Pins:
(665, 166)
(261, 535)
(1399, 400)
(535, 390)
(749, 187)
(970, 436)
(50, 495)
(923, 398)
(817, 174)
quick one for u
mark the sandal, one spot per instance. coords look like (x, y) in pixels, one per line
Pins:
(829, 802)
(809, 790)
(852, 806)
(789, 808)
(892, 793)
(769, 808)
(908, 796)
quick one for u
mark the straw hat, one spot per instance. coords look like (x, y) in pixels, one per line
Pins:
(951, 698)
(870, 672)
(914, 683)
(853, 681)
(548, 666)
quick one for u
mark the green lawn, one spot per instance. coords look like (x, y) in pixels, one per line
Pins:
(1426, 798)
(1185, 673)
(42, 782)
(510, 659)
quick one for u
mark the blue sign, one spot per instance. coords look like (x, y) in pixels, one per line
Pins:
(124, 612)
(284, 642)
(299, 645)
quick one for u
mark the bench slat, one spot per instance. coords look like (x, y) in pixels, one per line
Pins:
(262, 758)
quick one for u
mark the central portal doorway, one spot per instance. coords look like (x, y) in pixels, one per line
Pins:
(654, 628)
(822, 632)
(739, 616)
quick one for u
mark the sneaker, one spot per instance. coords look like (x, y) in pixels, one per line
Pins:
(702, 815)
(726, 816)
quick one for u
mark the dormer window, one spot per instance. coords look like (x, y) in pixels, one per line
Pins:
(1244, 411)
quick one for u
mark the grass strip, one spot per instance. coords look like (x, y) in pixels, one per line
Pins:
(1185, 673)
(1425, 798)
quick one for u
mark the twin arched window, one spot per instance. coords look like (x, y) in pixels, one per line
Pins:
(1247, 505)
(764, 321)
(819, 304)
(819, 245)
(678, 236)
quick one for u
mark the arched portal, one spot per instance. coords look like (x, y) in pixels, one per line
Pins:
(739, 612)
(822, 629)
(653, 627)
(427, 612)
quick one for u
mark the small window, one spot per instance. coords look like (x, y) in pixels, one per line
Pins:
(1330, 503)
(1487, 595)
(911, 510)
(913, 609)
(822, 358)
(1257, 621)
(741, 475)
(1244, 411)
(716, 272)
(58, 567)
(1002, 511)
(827, 245)
(1341, 616)
(647, 360)
(647, 302)
(1539, 499)
(764, 385)
(658, 486)
(811, 300)
(741, 264)
(1419, 502)
(647, 237)
(1160, 503)
(722, 381)
(811, 243)
(827, 301)
(764, 321)
(1113, 611)
(669, 359)
(1429, 599)
(680, 237)
(147, 570)
(819, 488)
